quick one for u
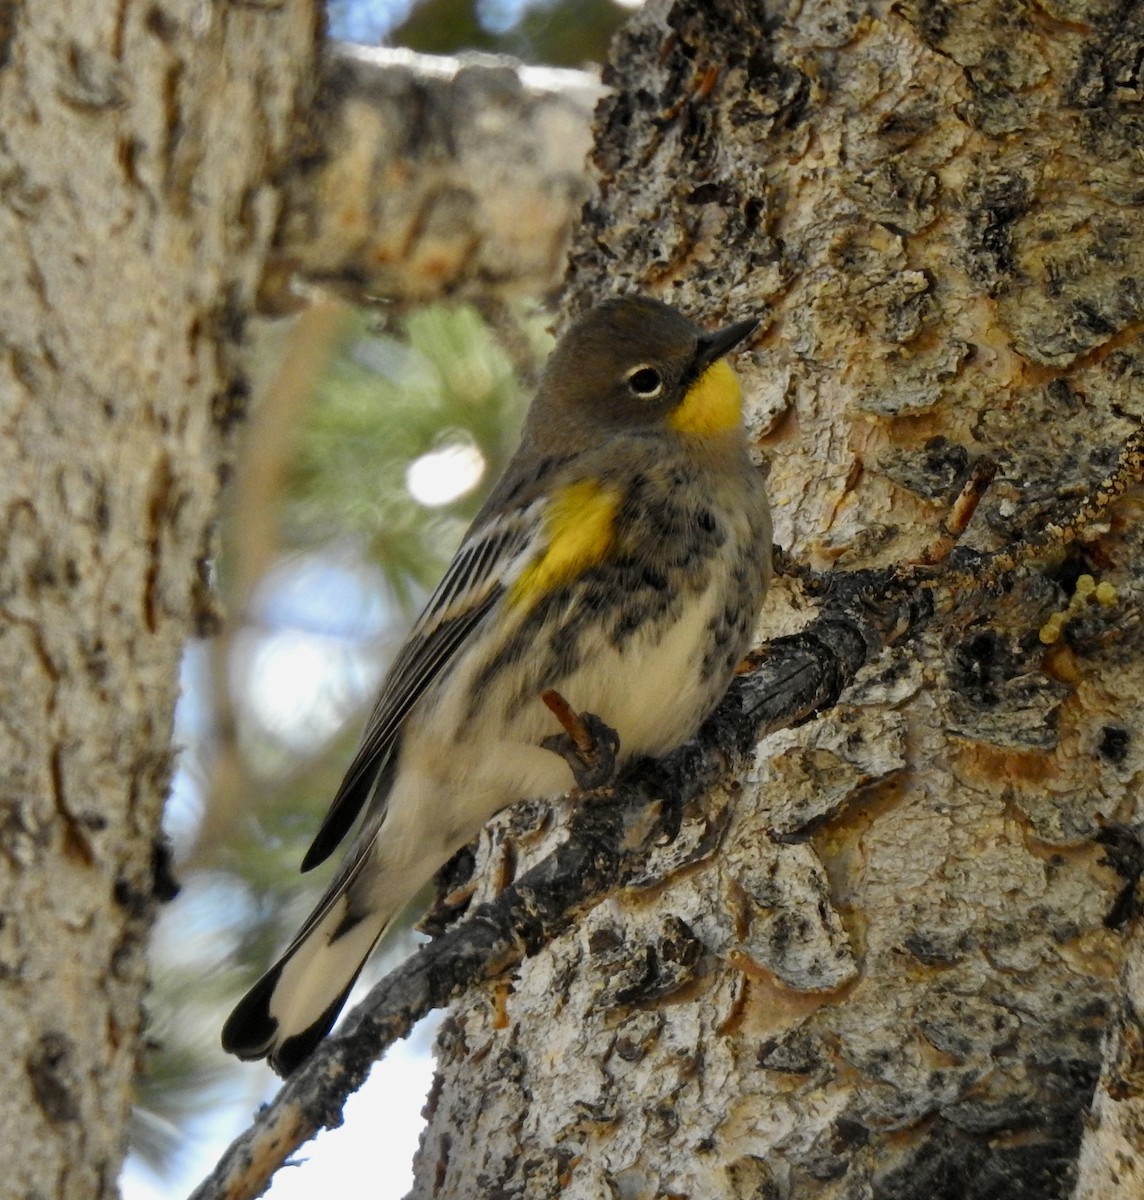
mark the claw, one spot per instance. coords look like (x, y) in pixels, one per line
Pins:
(587, 745)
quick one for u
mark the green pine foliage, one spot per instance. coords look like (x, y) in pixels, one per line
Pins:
(556, 32)
(382, 406)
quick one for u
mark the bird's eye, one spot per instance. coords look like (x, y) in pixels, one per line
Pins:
(646, 382)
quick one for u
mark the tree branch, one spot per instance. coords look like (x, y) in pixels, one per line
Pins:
(422, 177)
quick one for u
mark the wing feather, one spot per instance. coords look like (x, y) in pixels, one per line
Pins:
(476, 579)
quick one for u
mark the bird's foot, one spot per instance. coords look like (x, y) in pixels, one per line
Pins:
(587, 745)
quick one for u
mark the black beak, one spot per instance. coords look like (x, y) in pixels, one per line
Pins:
(712, 346)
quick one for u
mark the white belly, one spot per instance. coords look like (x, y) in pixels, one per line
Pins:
(650, 690)
(646, 689)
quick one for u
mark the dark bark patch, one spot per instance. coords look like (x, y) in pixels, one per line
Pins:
(51, 1075)
(8, 13)
(1125, 855)
(936, 471)
(1114, 742)
(1023, 1153)
(994, 208)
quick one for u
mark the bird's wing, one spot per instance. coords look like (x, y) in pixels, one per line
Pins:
(482, 568)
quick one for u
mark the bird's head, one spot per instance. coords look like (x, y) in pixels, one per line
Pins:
(634, 362)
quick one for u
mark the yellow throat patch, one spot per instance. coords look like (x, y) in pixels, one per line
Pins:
(580, 524)
(713, 404)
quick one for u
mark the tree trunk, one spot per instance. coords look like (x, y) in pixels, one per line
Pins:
(141, 146)
(891, 973)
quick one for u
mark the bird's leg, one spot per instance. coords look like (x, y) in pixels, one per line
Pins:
(587, 745)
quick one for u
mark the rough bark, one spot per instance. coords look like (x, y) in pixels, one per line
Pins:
(140, 152)
(1111, 1164)
(894, 977)
(425, 178)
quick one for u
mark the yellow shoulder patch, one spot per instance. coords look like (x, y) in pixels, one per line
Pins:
(713, 404)
(580, 525)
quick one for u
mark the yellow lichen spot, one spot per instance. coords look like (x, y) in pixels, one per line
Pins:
(1051, 629)
(579, 528)
(713, 404)
(1086, 589)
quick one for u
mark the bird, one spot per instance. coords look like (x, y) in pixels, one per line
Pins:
(620, 561)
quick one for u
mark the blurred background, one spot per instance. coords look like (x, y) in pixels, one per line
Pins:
(373, 436)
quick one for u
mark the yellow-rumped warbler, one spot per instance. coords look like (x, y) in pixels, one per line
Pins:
(621, 560)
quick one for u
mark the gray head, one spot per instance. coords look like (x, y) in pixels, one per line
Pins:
(635, 362)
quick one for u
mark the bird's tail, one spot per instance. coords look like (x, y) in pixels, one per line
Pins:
(295, 1004)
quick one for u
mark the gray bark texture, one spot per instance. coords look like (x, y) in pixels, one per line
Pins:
(141, 149)
(891, 974)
